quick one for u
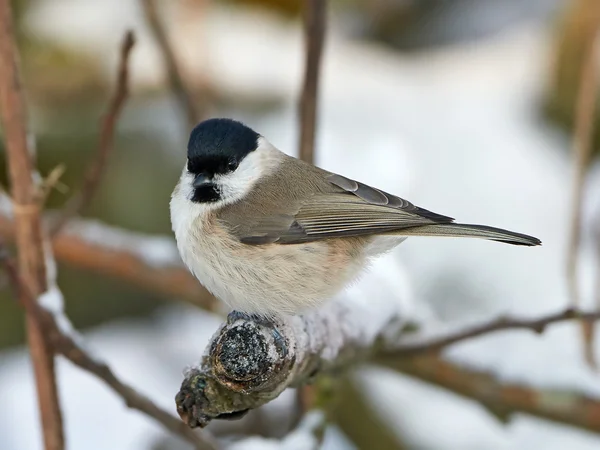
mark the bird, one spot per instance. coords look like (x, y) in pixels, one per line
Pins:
(272, 236)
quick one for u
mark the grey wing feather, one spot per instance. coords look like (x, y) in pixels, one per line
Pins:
(341, 215)
(377, 197)
(346, 208)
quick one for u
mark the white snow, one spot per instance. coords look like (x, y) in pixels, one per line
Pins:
(6, 206)
(52, 300)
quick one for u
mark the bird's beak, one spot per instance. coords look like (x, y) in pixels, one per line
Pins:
(200, 180)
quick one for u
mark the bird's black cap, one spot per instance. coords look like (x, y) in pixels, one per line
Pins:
(217, 144)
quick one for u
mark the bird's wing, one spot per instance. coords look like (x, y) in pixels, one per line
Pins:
(339, 207)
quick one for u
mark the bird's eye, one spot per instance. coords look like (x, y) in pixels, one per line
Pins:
(232, 165)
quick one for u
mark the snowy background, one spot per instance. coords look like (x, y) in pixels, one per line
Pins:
(455, 129)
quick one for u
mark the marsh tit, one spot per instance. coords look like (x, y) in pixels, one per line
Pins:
(271, 235)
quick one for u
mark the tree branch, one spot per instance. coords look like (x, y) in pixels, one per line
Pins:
(28, 226)
(500, 398)
(585, 107)
(174, 75)
(537, 325)
(581, 150)
(314, 35)
(106, 143)
(66, 343)
(248, 364)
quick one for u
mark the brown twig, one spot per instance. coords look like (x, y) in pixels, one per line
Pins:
(79, 246)
(314, 36)
(314, 29)
(106, 143)
(500, 398)
(65, 345)
(581, 150)
(28, 226)
(174, 73)
(537, 325)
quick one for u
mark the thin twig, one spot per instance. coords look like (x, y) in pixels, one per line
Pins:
(314, 35)
(537, 325)
(174, 73)
(581, 149)
(314, 29)
(500, 398)
(66, 346)
(28, 226)
(106, 143)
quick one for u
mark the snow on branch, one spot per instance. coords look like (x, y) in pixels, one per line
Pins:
(248, 364)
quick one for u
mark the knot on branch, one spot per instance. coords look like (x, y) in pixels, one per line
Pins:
(246, 355)
(249, 362)
(244, 358)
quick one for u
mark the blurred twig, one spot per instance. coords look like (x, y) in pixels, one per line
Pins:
(582, 146)
(315, 20)
(500, 398)
(538, 325)
(26, 206)
(361, 421)
(175, 77)
(121, 254)
(74, 352)
(105, 146)
(314, 35)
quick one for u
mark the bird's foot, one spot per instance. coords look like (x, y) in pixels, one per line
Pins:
(263, 321)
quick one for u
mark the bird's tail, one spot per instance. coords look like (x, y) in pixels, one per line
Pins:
(473, 231)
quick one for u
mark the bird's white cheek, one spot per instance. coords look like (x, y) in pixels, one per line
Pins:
(238, 184)
(256, 165)
(183, 211)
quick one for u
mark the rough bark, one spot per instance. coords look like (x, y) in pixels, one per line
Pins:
(248, 364)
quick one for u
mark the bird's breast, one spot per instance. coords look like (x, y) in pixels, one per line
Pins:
(267, 279)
